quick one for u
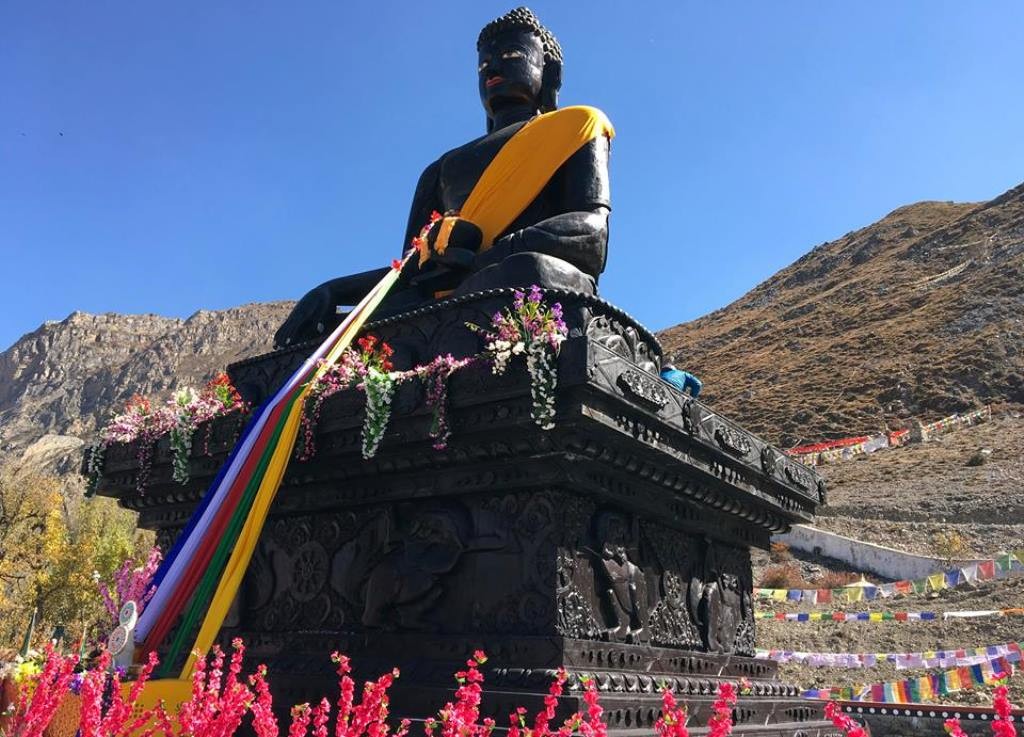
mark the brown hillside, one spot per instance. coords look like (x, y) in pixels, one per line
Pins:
(918, 315)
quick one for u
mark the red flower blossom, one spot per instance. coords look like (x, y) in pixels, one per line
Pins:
(850, 727)
(953, 728)
(672, 722)
(720, 723)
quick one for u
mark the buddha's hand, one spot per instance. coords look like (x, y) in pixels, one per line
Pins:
(464, 239)
(497, 253)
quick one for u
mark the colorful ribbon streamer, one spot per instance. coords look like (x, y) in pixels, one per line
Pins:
(830, 451)
(925, 659)
(208, 562)
(884, 616)
(924, 688)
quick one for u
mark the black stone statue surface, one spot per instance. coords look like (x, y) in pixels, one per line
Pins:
(559, 240)
(615, 545)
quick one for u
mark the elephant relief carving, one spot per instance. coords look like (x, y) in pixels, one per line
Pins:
(393, 571)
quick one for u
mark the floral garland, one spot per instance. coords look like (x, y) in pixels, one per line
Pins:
(179, 417)
(435, 379)
(529, 328)
(533, 328)
(95, 460)
(344, 374)
(194, 408)
(379, 387)
(140, 421)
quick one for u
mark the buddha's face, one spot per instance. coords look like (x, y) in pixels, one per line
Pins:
(511, 70)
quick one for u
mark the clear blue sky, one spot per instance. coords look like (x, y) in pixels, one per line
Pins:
(220, 153)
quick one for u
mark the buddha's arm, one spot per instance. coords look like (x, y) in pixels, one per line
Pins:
(578, 234)
(425, 201)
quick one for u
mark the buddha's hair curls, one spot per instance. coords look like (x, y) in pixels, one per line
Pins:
(523, 19)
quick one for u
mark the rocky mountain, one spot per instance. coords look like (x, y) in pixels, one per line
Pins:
(918, 315)
(59, 382)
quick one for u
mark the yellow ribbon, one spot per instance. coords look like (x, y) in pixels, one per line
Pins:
(523, 167)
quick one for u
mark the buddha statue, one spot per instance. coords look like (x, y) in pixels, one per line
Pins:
(526, 203)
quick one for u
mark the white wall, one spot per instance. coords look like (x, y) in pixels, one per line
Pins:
(867, 557)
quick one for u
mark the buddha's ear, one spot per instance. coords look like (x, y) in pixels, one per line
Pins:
(551, 82)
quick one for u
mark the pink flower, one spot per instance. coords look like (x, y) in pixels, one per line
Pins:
(131, 583)
(953, 728)
(1002, 727)
(844, 722)
(672, 722)
(720, 723)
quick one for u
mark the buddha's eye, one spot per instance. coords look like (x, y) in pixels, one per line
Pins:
(512, 54)
(483, 65)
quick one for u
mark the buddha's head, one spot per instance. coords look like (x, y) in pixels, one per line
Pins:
(520, 63)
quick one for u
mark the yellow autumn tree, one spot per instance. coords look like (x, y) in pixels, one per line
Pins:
(53, 546)
(27, 501)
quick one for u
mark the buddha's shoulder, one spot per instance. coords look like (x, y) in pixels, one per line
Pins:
(481, 145)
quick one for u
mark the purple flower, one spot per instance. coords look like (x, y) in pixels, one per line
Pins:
(535, 294)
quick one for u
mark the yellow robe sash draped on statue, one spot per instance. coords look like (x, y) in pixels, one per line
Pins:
(521, 170)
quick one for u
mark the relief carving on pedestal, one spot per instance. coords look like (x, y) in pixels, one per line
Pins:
(725, 607)
(670, 622)
(574, 617)
(640, 385)
(620, 581)
(393, 571)
(692, 416)
(732, 441)
(769, 459)
(673, 620)
(513, 563)
(625, 341)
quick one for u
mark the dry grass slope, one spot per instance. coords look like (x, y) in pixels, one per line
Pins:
(918, 315)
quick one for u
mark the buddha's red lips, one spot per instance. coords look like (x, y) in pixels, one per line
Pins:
(493, 81)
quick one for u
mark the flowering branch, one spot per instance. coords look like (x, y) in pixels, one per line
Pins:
(1001, 725)
(720, 723)
(40, 695)
(672, 722)
(131, 583)
(849, 725)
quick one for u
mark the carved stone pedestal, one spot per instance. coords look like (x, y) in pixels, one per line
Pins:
(615, 545)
